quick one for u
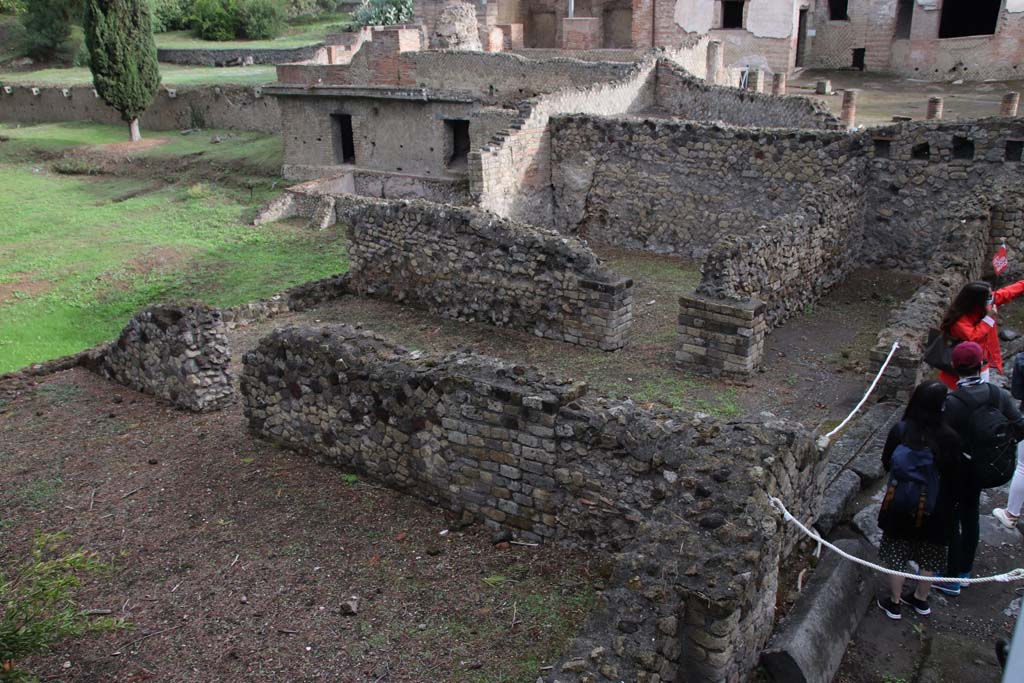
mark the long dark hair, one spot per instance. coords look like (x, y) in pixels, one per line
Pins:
(971, 299)
(923, 417)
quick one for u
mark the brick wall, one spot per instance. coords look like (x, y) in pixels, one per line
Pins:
(678, 505)
(466, 264)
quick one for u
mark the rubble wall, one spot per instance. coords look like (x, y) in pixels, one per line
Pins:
(466, 264)
(679, 504)
(177, 353)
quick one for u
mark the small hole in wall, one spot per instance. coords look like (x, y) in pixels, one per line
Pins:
(398, 168)
(963, 148)
(921, 152)
(1014, 150)
(882, 149)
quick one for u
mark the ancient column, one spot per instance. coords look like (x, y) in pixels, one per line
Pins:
(1009, 105)
(779, 84)
(715, 61)
(849, 115)
(755, 80)
(934, 109)
(823, 88)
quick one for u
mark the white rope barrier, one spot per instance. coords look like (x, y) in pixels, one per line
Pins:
(1012, 575)
(824, 441)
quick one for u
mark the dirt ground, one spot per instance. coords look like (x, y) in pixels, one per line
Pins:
(232, 559)
(882, 97)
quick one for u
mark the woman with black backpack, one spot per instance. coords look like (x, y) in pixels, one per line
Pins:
(922, 455)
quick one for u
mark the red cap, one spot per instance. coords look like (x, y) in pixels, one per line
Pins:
(968, 355)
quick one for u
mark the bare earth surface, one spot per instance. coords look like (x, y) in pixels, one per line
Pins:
(232, 559)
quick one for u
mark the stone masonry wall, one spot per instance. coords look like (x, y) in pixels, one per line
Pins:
(512, 174)
(468, 264)
(676, 187)
(678, 504)
(962, 254)
(751, 284)
(231, 107)
(680, 94)
(177, 353)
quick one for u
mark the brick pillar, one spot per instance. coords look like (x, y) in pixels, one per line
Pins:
(779, 84)
(1009, 105)
(715, 62)
(823, 88)
(849, 115)
(934, 108)
(755, 80)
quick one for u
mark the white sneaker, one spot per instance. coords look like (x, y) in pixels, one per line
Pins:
(1006, 518)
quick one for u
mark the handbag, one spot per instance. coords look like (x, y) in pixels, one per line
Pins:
(938, 353)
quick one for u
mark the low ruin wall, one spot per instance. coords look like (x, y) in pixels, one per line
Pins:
(680, 94)
(679, 503)
(220, 57)
(467, 264)
(177, 353)
(676, 187)
(752, 283)
(962, 254)
(230, 107)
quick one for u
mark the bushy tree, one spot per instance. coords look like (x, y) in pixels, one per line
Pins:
(384, 12)
(36, 605)
(47, 25)
(171, 15)
(215, 19)
(261, 19)
(122, 56)
(12, 6)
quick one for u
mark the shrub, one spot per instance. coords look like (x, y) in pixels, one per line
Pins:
(12, 6)
(260, 19)
(171, 15)
(384, 12)
(47, 25)
(215, 19)
(36, 605)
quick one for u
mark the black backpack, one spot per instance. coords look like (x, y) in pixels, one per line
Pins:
(989, 440)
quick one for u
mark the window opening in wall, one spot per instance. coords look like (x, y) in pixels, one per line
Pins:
(344, 142)
(801, 38)
(858, 57)
(968, 18)
(922, 151)
(963, 148)
(838, 10)
(457, 141)
(882, 149)
(1014, 150)
(732, 13)
(904, 18)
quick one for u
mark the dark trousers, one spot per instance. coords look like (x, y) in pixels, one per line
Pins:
(966, 530)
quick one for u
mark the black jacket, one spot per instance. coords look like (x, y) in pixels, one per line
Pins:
(945, 447)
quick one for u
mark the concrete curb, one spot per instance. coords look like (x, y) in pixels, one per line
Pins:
(808, 646)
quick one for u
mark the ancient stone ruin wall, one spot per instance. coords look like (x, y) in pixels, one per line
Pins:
(679, 503)
(676, 187)
(467, 264)
(177, 353)
(231, 107)
(512, 174)
(682, 95)
(917, 170)
(963, 253)
(751, 284)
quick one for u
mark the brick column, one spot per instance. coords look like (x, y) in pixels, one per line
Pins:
(779, 84)
(1010, 102)
(934, 108)
(849, 114)
(755, 80)
(715, 62)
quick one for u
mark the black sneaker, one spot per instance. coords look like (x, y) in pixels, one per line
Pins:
(891, 609)
(920, 606)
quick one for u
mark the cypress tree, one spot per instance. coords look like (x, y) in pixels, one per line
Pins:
(122, 55)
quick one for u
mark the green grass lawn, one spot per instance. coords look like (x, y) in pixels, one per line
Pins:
(296, 35)
(80, 254)
(172, 75)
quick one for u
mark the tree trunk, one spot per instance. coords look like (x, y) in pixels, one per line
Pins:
(134, 127)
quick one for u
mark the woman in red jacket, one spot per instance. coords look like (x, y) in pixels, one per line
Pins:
(972, 317)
